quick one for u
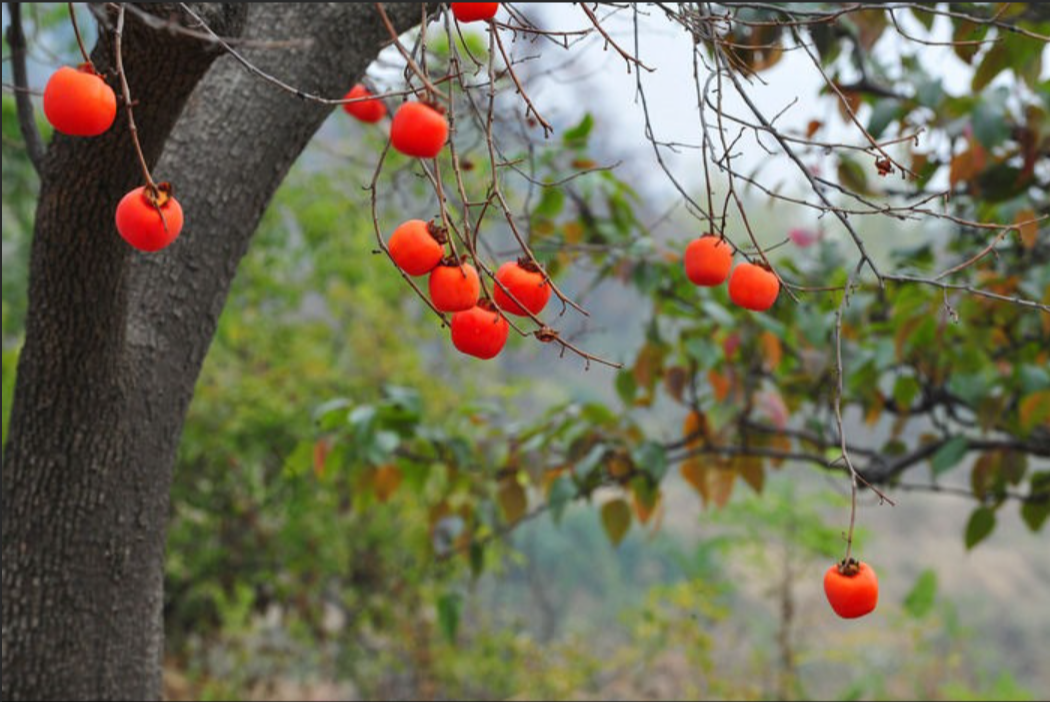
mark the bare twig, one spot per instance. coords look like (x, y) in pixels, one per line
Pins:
(26, 118)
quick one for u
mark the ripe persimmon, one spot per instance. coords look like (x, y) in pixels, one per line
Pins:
(480, 331)
(454, 286)
(474, 11)
(708, 260)
(753, 287)
(416, 247)
(149, 221)
(78, 102)
(526, 282)
(418, 130)
(852, 588)
(370, 111)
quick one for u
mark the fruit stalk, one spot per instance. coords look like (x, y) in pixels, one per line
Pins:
(80, 40)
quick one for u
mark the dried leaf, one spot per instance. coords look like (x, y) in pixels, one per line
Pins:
(321, 450)
(782, 443)
(387, 480)
(1035, 410)
(751, 470)
(720, 384)
(695, 424)
(772, 351)
(721, 481)
(676, 378)
(1028, 228)
(696, 474)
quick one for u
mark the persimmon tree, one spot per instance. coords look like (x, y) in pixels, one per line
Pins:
(220, 100)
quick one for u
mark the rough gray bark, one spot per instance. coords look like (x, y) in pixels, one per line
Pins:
(115, 339)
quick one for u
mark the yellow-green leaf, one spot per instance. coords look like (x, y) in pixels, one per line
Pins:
(512, 500)
(751, 470)
(616, 518)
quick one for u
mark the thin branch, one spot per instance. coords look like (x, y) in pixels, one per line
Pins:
(118, 36)
(80, 40)
(16, 39)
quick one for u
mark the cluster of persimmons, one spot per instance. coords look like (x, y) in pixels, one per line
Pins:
(79, 102)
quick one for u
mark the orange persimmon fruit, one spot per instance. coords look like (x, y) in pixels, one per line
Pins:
(454, 286)
(708, 260)
(480, 331)
(78, 102)
(149, 221)
(418, 130)
(474, 11)
(370, 111)
(851, 588)
(416, 247)
(526, 283)
(753, 287)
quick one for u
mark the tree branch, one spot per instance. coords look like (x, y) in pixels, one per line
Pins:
(16, 39)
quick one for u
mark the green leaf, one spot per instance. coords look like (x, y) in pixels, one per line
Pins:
(949, 454)
(562, 492)
(449, 607)
(920, 600)
(381, 447)
(882, 114)
(1037, 508)
(577, 136)
(925, 18)
(651, 458)
(981, 524)
(970, 387)
(299, 461)
(718, 313)
(551, 203)
(616, 518)
(361, 417)
(929, 93)
(994, 62)
(477, 559)
(592, 460)
(626, 386)
(989, 123)
(852, 175)
(905, 389)
(405, 399)
(321, 414)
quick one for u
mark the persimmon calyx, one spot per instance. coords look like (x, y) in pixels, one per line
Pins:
(453, 261)
(527, 264)
(849, 568)
(159, 194)
(546, 335)
(439, 232)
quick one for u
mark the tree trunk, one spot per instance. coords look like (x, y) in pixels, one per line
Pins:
(115, 339)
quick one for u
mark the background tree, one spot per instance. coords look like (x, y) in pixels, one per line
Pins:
(114, 341)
